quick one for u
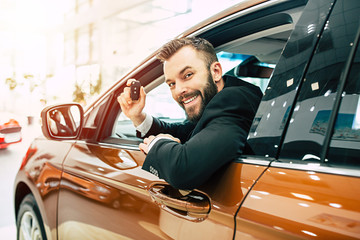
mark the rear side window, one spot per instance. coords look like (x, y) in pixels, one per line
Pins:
(309, 121)
(345, 143)
(273, 113)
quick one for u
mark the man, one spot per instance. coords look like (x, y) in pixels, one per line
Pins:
(219, 115)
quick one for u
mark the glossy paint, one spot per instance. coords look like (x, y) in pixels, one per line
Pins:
(40, 174)
(104, 191)
(293, 204)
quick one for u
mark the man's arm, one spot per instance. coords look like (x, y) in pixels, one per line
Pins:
(222, 137)
(187, 166)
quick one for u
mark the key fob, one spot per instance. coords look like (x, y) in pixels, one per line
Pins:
(135, 90)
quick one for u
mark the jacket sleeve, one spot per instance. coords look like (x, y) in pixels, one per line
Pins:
(222, 138)
(180, 130)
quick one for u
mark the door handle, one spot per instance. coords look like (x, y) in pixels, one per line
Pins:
(194, 206)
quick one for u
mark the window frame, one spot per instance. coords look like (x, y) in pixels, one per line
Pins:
(276, 15)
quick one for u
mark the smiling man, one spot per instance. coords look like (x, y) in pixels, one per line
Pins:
(219, 113)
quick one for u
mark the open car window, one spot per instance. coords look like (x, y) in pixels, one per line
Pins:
(247, 48)
(159, 104)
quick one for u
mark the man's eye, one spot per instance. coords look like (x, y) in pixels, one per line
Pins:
(188, 75)
(171, 85)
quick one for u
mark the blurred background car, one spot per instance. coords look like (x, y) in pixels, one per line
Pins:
(10, 130)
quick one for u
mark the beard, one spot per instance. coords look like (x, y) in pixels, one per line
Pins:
(210, 91)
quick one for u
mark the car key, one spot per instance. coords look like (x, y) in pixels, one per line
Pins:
(135, 90)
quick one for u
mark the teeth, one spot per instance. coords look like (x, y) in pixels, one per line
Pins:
(190, 100)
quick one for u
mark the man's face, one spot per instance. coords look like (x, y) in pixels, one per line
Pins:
(190, 81)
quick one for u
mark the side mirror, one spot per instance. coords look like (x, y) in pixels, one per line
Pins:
(62, 122)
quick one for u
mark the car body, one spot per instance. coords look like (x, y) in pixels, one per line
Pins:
(10, 130)
(298, 178)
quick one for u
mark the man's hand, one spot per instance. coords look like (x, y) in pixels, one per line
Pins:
(147, 143)
(132, 109)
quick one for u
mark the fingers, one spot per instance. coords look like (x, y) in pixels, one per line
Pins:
(124, 98)
(148, 140)
(123, 103)
(169, 136)
(126, 95)
(128, 83)
(142, 95)
(144, 146)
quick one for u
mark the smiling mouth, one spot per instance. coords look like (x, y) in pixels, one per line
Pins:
(189, 100)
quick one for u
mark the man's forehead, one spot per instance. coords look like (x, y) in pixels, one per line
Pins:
(186, 57)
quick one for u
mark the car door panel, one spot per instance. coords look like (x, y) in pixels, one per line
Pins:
(307, 204)
(43, 166)
(103, 190)
(226, 190)
(96, 199)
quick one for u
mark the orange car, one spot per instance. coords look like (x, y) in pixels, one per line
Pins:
(10, 131)
(298, 179)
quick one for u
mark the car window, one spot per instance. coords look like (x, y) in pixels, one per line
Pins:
(309, 121)
(250, 38)
(273, 113)
(160, 104)
(345, 143)
(93, 118)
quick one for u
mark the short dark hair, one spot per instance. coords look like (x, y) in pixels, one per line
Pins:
(202, 45)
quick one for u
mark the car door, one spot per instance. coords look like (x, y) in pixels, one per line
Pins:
(312, 188)
(104, 193)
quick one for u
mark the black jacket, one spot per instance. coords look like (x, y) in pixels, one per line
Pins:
(217, 138)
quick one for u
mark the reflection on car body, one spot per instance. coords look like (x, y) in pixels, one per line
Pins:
(299, 176)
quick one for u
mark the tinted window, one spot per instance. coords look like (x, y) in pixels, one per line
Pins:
(272, 116)
(345, 143)
(309, 120)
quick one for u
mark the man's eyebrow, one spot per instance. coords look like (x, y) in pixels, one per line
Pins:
(184, 69)
(180, 73)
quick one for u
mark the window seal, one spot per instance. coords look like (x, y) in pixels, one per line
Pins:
(255, 160)
(315, 167)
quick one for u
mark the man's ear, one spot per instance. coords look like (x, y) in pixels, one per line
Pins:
(216, 71)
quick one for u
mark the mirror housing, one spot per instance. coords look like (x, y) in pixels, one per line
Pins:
(62, 122)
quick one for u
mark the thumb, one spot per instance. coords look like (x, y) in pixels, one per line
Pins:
(142, 94)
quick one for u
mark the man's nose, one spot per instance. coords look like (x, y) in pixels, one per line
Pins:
(181, 88)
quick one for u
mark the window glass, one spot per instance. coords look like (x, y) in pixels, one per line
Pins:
(345, 143)
(273, 112)
(309, 121)
(93, 119)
